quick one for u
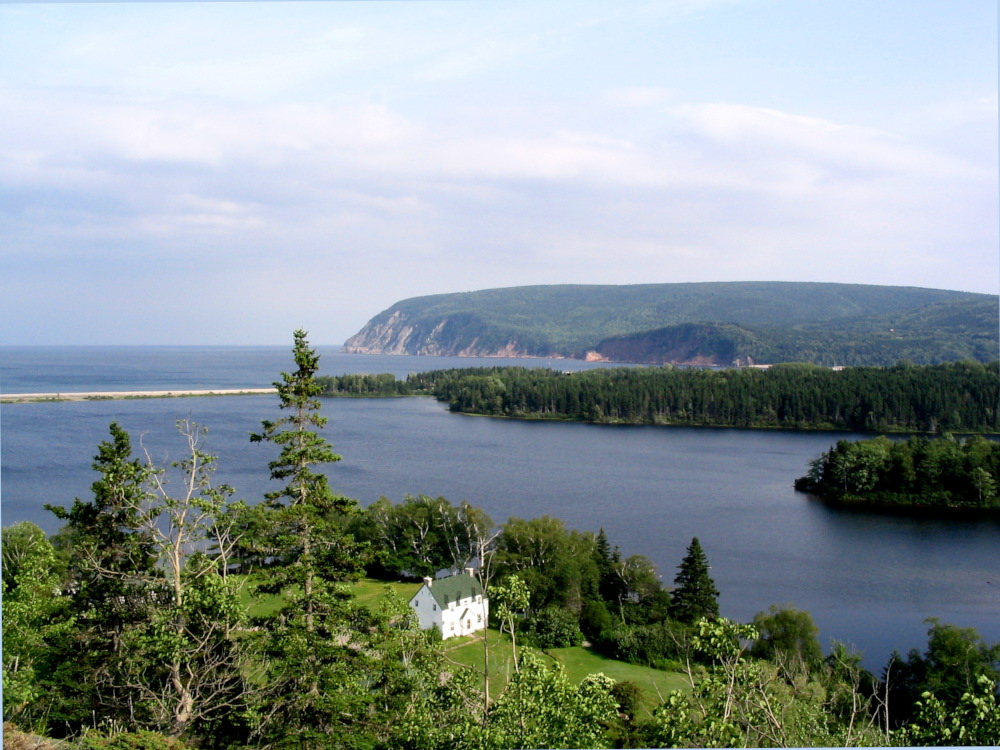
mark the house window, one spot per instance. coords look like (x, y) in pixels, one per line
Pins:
(434, 608)
(479, 618)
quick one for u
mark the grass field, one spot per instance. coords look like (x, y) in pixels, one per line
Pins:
(468, 651)
(577, 661)
(367, 591)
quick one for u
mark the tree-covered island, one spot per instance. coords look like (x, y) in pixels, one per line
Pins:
(166, 614)
(920, 472)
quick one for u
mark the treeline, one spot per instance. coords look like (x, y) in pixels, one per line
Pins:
(957, 397)
(919, 472)
(363, 385)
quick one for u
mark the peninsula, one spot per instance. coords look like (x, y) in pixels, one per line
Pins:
(720, 323)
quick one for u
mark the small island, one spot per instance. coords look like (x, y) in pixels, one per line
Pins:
(933, 473)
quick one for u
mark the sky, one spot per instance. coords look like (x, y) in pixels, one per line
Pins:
(218, 173)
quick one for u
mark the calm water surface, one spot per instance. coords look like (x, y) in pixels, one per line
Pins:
(868, 579)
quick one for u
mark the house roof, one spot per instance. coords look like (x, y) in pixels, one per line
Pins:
(454, 588)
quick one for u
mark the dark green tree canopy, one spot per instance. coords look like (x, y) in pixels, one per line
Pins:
(695, 595)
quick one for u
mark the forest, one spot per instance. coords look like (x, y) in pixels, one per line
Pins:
(919, 472)
(955, 397)
(167, 614)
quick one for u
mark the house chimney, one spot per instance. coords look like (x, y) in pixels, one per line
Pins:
(471, 572)
(428, 581)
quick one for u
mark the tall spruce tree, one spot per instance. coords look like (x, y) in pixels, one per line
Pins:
(695, 595)
(316, 662)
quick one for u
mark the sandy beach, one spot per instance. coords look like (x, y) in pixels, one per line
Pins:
(94, 395)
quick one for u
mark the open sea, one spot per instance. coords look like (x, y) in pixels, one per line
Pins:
(869, 579)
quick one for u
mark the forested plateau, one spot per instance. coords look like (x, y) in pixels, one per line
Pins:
(721, 323)
(957, 397)
(169, 615)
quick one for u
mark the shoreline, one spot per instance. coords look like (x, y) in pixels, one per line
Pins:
(21, 398)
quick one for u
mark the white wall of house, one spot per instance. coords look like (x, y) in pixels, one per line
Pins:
(428, 613)
(464, 617)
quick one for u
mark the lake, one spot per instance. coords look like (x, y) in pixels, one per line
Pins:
(869, 579)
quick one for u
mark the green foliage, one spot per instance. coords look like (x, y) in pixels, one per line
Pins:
(744, 702)
(763, 321)
(960, 396)
(660, 644)
(556, 564)
(541, 708)
(315, 664)
(420, 536)
(153, 642)
(553, 627)
(972, 720)
(34, 617)
(950, 667)
(141, 740)
(363, 385)
(112, 573)
(694, 596)
(919, 472)
(595, 619)
(788, 637)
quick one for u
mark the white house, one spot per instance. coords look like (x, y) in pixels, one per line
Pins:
(455, 604)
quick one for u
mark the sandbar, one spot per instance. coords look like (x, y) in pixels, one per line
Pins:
(100, 395)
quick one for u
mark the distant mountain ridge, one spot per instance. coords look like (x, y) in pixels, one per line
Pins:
(709, 323)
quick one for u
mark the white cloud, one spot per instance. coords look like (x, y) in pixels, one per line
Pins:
(390, 163)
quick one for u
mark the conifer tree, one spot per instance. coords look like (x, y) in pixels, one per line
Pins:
(305, 518)
(315, 655)
(110, 572)
(695, 595)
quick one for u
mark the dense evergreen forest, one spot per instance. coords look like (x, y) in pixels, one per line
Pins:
(919, 472)
(167, 614)
(958, 397)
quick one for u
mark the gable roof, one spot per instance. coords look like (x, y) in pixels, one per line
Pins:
(453, 588)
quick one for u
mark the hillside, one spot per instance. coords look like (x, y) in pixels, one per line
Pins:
(720, 323)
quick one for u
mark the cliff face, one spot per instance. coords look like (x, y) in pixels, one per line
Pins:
(690, 344)
(452, 336)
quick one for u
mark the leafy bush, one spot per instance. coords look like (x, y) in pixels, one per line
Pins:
(553, 627)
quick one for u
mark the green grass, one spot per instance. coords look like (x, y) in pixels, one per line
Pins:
(371, 592)
(367, 592)
(577, 661)
(654, 683)
(468, 651)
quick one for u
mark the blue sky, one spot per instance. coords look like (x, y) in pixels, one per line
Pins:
(225, 172)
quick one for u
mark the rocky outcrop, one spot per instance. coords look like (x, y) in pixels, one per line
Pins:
(697, 344)
(452, 336)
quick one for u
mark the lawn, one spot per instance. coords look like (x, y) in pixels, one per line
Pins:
(577, 661)
(367, 591)
(654, 683)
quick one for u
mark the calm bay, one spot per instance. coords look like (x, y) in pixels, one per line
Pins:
(868, 579)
